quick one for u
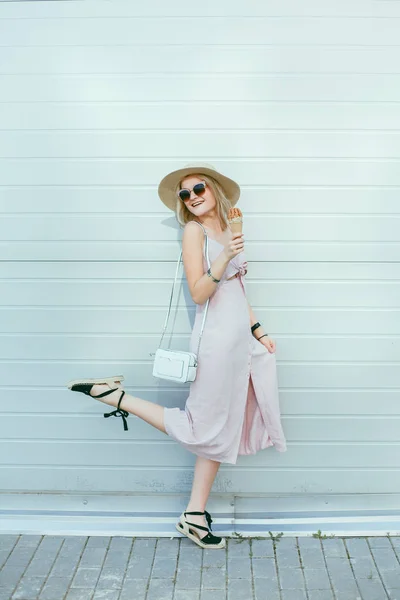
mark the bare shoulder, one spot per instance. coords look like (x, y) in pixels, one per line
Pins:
(193, 226)
(192, 234)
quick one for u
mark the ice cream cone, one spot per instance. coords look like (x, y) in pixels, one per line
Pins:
(235, 220)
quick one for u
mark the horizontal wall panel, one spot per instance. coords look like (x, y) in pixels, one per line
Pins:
(300, 374)
(116, 144)
(127, 8)
(252, 171)
(223, 30)
(136, 348)
(307, 228)
(119, 479)
(263, 199)
(79, 426)
(123, 116)
(157, 293)
(186, 87)
(40, 54)
(97, 454)
(48, 271)
(53, 453)
(169, 251)
(285, 322)
(96, 427)
(57, 399)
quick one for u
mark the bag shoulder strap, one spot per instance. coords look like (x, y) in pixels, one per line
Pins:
(173, 287)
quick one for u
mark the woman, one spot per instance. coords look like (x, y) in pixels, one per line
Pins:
(233, 405)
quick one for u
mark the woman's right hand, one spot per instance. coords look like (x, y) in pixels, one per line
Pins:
(234, 246)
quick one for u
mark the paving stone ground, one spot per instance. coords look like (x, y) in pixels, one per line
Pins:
(35, 567)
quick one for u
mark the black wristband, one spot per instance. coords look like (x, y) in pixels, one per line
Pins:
(212, 276)
(255, 326)
(263, 335)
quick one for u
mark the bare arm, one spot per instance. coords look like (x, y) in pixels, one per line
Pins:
(253, 318)
(259, 331)
(201, 286)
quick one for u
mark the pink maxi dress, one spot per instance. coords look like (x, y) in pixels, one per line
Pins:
(233, 404)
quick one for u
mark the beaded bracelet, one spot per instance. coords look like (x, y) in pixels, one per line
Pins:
(212, 277)
(263, 335)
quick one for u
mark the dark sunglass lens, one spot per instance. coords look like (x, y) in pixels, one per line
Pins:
(184, 195)
(199, 189)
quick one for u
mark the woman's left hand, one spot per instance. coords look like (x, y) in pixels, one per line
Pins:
(268, 343)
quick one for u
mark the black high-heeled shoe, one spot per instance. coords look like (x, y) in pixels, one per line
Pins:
(209, 540)
(85, 387)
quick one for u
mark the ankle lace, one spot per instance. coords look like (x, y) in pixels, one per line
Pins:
(207, 515)
(119, 412)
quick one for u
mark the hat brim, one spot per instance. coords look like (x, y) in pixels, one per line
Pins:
(167, 186)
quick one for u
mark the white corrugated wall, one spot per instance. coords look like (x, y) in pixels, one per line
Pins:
(300, 103)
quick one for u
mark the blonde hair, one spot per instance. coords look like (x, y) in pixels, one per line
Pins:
(183, 214)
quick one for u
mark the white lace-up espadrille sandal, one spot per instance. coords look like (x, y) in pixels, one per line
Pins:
(209, 540)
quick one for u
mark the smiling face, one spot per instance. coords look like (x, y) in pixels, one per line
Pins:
(212, 207)
(198, 205)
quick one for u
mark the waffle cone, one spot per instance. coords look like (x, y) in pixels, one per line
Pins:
(236, 227)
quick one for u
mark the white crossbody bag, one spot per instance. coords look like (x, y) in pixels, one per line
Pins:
(178, 365)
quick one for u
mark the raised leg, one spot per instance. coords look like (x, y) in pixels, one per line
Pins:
(148, 411)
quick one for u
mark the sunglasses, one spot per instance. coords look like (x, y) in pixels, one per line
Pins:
(199, 189)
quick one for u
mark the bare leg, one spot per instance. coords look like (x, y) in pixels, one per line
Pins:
(148, 411)
(204, 474)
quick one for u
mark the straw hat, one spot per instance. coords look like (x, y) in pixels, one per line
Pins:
(167, 187)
